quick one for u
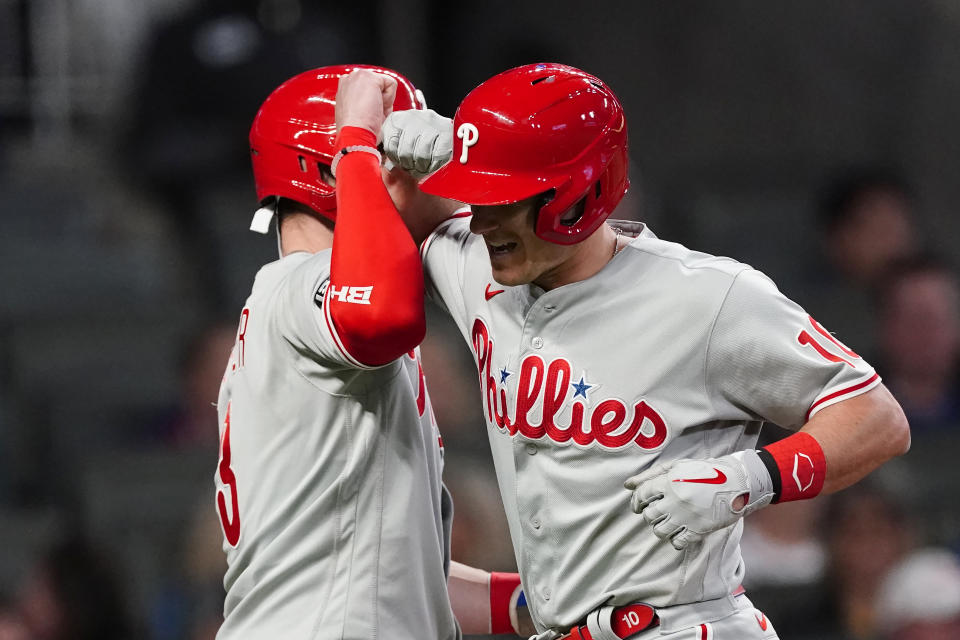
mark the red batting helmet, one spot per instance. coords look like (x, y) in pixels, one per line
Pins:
(534, 129)
(294, 130)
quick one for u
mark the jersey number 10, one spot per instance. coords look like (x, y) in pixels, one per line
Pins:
(807, 340)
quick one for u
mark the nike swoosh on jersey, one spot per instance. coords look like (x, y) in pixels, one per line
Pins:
(487, 294)
(720, 478)
(761, 620)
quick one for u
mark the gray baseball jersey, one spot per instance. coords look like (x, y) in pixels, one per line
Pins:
(666, 353)
(335, 520)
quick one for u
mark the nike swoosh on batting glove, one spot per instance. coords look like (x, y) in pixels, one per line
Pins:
(686, 499)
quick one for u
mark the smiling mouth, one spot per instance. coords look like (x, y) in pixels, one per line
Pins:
(501, 249)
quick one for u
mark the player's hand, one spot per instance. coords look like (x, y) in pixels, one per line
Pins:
(364, 99)
(686, 499)
(418, 141)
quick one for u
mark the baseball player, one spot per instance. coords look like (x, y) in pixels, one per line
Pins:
(328, 488)
(625, 379)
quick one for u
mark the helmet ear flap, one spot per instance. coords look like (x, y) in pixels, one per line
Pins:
(614, 183)
(567, 218)
(574, 214)
(569, 223)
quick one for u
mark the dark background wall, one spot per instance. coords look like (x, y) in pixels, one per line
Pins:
(125, 194)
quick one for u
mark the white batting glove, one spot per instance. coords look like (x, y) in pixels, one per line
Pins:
(686, 499)
(419, 141)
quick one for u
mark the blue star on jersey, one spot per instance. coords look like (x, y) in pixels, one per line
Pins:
(504, 374)
(580, 388)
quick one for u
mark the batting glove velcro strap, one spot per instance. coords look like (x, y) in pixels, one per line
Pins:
(686, 499)
(418, 141)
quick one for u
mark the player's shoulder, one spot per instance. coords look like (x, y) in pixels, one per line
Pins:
(672, 257)
(313, 266)
(702, 277)
(455, 229)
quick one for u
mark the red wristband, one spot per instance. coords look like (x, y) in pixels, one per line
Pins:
(504, 588)
(800, 466)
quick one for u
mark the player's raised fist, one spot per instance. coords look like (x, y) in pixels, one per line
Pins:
(364, 99)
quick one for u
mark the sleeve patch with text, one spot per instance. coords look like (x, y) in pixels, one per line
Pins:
(353, 295)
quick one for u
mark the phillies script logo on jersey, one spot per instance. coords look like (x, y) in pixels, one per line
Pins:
(611, 423)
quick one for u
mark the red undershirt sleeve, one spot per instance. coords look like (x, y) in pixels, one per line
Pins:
(375, 297)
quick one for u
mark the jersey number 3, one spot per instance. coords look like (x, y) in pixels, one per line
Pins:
(230, 521)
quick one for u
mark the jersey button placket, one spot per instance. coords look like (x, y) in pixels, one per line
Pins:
(537, 342)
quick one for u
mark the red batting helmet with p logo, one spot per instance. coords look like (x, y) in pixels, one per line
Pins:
(536, 129)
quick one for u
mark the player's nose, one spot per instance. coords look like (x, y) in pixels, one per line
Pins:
(484, 220)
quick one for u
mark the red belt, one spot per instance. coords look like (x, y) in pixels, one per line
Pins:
(625, 622)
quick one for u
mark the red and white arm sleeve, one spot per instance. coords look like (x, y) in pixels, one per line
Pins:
(375, 296)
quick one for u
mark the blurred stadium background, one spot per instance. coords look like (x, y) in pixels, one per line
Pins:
(816, 140)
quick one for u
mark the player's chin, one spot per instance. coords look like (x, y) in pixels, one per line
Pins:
(508, 277)
(510, 269)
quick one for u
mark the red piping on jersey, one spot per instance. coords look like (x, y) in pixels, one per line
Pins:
(835, 394)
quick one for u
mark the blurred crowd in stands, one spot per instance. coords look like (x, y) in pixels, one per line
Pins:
(125, 260)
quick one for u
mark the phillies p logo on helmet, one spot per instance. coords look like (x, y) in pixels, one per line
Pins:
(469, 134)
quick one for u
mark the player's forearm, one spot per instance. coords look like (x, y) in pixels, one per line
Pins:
(372, 248)
(687, 499)
(469, 590)
(858, 435)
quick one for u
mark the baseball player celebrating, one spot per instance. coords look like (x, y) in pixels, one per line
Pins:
(328, 488)
(624, 379)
